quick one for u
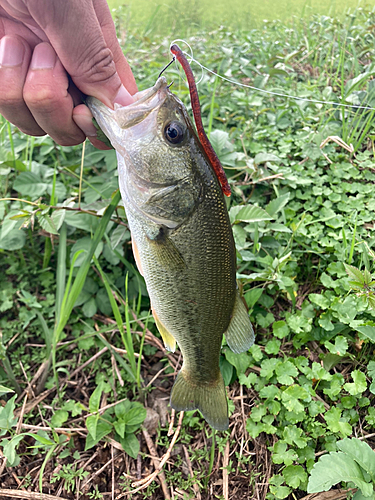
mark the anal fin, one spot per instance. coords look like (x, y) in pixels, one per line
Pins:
(240, 334)
(169, 340)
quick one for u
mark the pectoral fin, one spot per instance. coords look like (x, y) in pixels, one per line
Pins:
(166, 252)
(169, 340)
(240, 333)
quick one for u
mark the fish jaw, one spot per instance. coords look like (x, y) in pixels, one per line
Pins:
(120, 123)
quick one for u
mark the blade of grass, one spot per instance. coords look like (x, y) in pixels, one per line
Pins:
(117, 314)
(71, 293)
(212, 105)
(60, 272)
(127, 317)
(46, 331)
(10, 136)
(83, 270)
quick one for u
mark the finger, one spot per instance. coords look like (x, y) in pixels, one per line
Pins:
(109, 31)
(47, 97)
(15, 55)
(9, 26)
(83, 118)
(75, 33)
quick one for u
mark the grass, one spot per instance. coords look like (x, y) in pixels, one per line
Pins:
(162, 16)
(78, 344)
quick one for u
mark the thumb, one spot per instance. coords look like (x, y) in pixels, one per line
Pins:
(74, 31)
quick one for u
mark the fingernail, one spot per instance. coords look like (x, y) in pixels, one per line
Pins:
(86, 125)
(123, 97)
(44, 57)
(12, 51)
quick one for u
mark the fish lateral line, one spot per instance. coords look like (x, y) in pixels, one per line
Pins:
(195, 105)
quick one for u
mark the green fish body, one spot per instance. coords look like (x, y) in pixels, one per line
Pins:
(182, 241)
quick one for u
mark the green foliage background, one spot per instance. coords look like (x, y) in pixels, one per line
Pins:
(303, 220)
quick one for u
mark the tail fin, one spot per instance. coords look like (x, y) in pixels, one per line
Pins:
(210, 399)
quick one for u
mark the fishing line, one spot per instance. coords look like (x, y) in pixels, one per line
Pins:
(191, 57)
(269, 92)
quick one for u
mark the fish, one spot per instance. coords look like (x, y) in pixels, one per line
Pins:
(182, 241)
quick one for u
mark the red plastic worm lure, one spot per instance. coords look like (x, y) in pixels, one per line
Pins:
(209, 150)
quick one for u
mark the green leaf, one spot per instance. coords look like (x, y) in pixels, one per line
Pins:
(9, 450)
(30, 184)
(281, 455)
(226, 370)
(354, 273)
(102, 429)
(273, 346)
(280, 329)
(42, 440)
(268, 367)
(339, 347)
(251, 213)
(294, 475)
(7, 420)
(291, 398)
(5, 390)
(94, 401)
(264, 157)
(319, 299)
(361, 452)
(47, 223)
(120, 427)
(334, 468)
(89, 308)
(131, 445)
(359, 384)
(371, 369)
(59, 417)
(258, 412)
(240, 361)
(120, 234)
(293, 435)
(92, 424)
(367, 331)
(136, 415)
(335, 423)
(252, 296)
(84, 245)
(277, 204)
(15, 239)
(248, 380)
(285, 372)
(276, 487)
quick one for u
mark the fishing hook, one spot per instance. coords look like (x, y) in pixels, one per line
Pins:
(167, 66)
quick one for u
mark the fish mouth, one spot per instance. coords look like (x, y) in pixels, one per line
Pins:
(145, 102)
(114, 121)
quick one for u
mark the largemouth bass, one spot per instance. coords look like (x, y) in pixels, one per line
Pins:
(182, 241)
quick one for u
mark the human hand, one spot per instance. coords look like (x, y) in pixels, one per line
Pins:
(44, 41)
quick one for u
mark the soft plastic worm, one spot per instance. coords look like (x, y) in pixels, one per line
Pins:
(212, 156)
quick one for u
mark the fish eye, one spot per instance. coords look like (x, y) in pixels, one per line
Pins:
(174, 132)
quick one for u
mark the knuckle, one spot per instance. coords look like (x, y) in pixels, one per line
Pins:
(10, 100)
(42, 97)
(97, 65)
